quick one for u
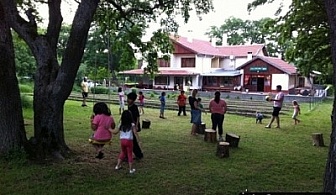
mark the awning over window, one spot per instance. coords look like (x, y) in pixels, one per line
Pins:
(222, 73)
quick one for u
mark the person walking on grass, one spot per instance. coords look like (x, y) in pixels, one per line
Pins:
(127, 131)
(296, 112)
(277, 105)
(85, 90)
(163, 104)
(141, 103)
(102, 124)
(131, 98)
(121, 96)
(196, 119)
(181, 102)
(218, 107)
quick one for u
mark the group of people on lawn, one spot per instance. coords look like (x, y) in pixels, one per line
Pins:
(103, 124)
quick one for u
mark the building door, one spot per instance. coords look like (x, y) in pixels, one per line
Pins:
(260, 84)
(178, 81)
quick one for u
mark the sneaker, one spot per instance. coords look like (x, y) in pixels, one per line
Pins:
(117, 167)
(268, 127)
(220, 138)
(132, 171)
(100, 155)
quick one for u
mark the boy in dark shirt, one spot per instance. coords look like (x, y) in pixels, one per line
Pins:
(131, 97)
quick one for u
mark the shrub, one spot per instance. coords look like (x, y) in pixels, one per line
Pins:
(134, 90)
(26, 101)
(25, 88)
(76, 88)
(227, 97)
(100, 90)
(330, 91)
(152, 95)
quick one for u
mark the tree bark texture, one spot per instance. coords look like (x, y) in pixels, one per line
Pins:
(330, 173)
(53, 81)
(12, 132)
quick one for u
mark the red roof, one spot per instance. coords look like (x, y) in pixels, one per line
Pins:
(206, 48)
(161, 72)
(276, 62)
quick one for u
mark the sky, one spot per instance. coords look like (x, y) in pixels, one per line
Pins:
(196, 28)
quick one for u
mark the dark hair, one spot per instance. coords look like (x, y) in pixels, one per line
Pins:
(119, 89)
(217, 96)
(140, 92)
(85, 79)
(163, 93)
(279, 87)
(182, 91)
(132, 96)
(101, 108)
(126, 121)
(199, 99)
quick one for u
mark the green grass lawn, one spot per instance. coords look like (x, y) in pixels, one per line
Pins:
(176, 163)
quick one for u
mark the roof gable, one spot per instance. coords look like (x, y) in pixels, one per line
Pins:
(275, 62)
(206, 48)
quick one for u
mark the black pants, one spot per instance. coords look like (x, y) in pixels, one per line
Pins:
(136, 148)
(182, 109)
(217, 121)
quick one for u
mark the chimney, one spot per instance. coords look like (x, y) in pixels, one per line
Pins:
(213, 42)
(224, 39)
(249, 55)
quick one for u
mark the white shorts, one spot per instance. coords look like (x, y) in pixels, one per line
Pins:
(122, 105)
(295, 114)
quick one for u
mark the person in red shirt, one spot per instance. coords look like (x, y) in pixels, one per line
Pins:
(217, 107)
(181, 102)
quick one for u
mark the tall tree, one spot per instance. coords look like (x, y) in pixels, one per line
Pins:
(330, 173)
(12, 133)
(54, 79)
(240, 32)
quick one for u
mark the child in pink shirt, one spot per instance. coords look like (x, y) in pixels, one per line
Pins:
(102, 124)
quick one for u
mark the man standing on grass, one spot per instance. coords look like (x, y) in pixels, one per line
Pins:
(85, 90)
(277, 105)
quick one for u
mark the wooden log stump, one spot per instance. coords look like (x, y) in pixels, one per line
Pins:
(201, 128)
(223, 149)
(318, 139)
(210, 135)
(233, 139)
(146, 124)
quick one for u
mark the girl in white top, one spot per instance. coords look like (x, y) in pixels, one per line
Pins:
(296, 112)
(121, 95)
(126, 129)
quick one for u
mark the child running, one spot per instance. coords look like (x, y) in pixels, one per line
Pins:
(296, 112)
(163, 104)
(102, 124)
(141, 102)
(121, 95)
(127, 130)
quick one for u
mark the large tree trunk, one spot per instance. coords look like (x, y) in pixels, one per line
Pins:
(53, 82)
(330, 173)
(12, 133)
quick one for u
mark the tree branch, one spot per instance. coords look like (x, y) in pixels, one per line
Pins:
(55, 23)
(26, 30)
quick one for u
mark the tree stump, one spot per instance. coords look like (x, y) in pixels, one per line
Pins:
(201, 128)
(146, 124)
(318, 139)
(223, 149)
(233, 139)
(210, 135)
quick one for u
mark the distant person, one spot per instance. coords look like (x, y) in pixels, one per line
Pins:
(102, 124)
(85, 90)
(121, 96)
(296, 112)
(188, 87)
(131, 98)
(163, 104)
(195, 112)
(259, 117)
(128, 133)
(181, 102)
(218, 108)
(141, 103)
(277, 105)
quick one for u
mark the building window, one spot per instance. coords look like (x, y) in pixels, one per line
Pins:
(188, 80)
(211, 81)
(163, 63)
(226, 81)
(161, 80)
(301, 82)
(188, 62)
